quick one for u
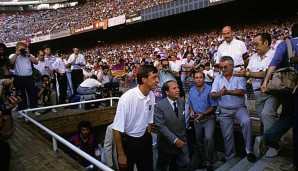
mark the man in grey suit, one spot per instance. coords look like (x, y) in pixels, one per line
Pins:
(171, 130)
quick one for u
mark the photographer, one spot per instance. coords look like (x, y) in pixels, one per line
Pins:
(23, 82)
(46, 95)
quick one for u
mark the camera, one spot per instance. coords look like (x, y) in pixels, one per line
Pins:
(23, 52)
(165, 66)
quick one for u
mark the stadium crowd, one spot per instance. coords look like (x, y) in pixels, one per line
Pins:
(28, 25)
(50, 78)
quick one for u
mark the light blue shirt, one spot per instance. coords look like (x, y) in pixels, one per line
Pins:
(164, 77)
(235, 83)
(201, 101)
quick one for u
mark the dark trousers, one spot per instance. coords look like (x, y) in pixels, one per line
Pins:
(284, 123)
(62, 81)
(175, 162)
(295, 131)
(138, 151)
(77, 78)
(5, 155)
(25, 84)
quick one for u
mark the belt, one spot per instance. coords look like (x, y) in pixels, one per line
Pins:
(258, 89)
(238, 66)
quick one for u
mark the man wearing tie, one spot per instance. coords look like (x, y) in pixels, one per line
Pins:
(171, 130)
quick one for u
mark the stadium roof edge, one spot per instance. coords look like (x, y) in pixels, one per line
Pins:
(30, 2)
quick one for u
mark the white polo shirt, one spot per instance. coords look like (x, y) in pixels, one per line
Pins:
(235, 49)
(79, 61)
(256, 64)
(134, 112)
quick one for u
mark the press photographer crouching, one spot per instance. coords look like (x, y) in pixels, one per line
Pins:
(46, 95)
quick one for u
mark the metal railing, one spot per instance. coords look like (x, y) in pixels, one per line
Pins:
(56, 137)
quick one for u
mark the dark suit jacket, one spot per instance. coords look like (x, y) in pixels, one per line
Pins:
(169, 127)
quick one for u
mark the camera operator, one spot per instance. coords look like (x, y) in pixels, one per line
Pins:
(166, 74)
(23, 82)
(46, 95)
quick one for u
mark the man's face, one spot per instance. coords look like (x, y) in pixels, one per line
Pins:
(40, 56)
(259, 45)
(47, 51)
(189, 57)
(227, 34)
(76, 51)
(226, 68)
(151, 81)
(85, 132)
(105, 71)
(174, 91)
(199, 79)
(165, 65)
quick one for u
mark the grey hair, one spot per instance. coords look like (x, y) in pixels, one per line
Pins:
(227, 58)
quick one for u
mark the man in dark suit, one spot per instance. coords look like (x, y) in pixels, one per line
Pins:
(171, 130)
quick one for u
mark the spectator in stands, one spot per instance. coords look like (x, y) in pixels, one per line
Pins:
(175, 65)
(202, 109)
(230, 91)
(289, 114)
(133, 122)
(59, 67)
(189, 50)
(208, 72)
(105, 75)
(23, 80)
(187, 66)
(77, 62)
(46, 95)
(44, 66)
(232, 47)
(86, 141)
(171, 138)
(89, 86)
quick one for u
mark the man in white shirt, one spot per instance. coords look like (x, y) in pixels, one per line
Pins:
(77, 62)
(60, 68)
(89, 86)
(44, 66)
(266, 105)
(133, 122)
(233, 48)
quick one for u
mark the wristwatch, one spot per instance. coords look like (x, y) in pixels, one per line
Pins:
(247, 73)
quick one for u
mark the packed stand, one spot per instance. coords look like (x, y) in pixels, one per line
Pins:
(23, 26)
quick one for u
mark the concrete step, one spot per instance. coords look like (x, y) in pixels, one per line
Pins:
(217, 164)
(260, 164)
(229, 164)
(243, 164)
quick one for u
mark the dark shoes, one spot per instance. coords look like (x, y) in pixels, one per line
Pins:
(251, 157)
(209, 168)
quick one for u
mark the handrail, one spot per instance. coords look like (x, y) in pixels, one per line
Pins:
(56, 137)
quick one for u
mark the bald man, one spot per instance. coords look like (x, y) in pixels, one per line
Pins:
(233, 48)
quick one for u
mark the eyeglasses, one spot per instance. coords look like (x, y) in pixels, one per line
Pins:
(223, 67)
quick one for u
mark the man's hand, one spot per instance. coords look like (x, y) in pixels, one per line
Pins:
(13, 101)
(199, 116)
(240, 73)
(294, 60)
(122, 159)
(179, 143)
(224, 91)
(264, 86)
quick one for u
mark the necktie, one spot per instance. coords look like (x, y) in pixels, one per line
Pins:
(175, 109)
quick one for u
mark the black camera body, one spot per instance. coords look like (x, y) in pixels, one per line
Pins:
(23, 52)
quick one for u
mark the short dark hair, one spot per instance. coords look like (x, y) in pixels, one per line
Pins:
(2, 45)
(85, 124)
(94, 77)
(45, 76)
(227, 58)
(46, 46)
(198, 72)
(264, 37)
(144, 72)
(165, 87)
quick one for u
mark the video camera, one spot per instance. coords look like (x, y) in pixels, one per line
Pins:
(23, 52)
